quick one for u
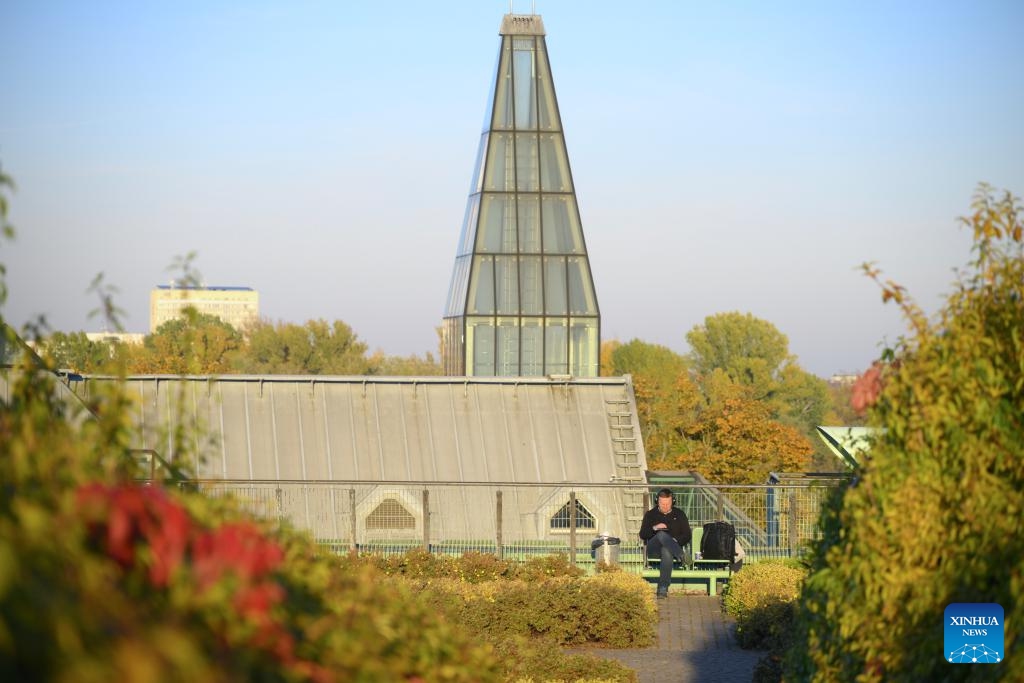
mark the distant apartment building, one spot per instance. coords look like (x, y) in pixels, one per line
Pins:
(120, 337)
(843, 379)
(237, 306)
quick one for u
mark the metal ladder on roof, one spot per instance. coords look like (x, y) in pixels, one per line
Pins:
(628, 466)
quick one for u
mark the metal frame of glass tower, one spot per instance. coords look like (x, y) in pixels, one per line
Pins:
(522, 300)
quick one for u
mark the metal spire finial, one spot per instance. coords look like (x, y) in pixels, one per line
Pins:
(533, 7)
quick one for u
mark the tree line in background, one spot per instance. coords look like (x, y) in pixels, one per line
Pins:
(202, 344)
(736, 408)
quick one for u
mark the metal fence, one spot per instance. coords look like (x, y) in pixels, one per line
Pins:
(519, 521)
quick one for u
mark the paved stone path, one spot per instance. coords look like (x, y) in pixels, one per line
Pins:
(695, 643)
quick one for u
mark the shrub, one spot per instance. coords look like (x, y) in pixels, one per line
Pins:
(617, 610)
(533, 660)
(607, 568)
(472, 567)
(936, 516)
(476, 567)
(545, 567)
(612, 610)
(415, 563)
(768, 669)
(528, 622)
(761, 597)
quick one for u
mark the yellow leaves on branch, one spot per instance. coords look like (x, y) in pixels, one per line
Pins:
(893, 291)
(994, 219)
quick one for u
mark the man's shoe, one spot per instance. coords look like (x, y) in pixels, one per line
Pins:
(662, 596)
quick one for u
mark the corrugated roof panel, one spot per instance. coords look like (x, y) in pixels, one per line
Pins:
(282, 414)
(469, 447)
(543, 407)
(262, 442)
(419, 430)
(443, 438)
(389, 409)
(235, 427)
(577, 465)
(490, 423)
(501, 459)
(315, 429)
(525, 449)
(334, 409)
(369, 448)
(599, 451)
(351, 406)
(402, 429)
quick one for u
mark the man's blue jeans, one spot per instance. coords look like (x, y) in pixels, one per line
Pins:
(667, 548)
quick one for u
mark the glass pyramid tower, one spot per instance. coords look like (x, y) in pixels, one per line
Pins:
(521, 300)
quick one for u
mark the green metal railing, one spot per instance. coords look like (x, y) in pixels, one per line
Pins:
(518, 521)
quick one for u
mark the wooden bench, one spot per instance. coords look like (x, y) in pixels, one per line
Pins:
(707, 574)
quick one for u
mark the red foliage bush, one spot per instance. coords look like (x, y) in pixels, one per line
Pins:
(124, 516)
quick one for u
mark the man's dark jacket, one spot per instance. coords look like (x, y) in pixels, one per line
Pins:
(678, 525)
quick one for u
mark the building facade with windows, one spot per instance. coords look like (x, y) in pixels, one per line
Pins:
(237, 306)
(521, 300)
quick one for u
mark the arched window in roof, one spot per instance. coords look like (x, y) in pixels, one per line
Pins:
(584, 519)
(390, 515)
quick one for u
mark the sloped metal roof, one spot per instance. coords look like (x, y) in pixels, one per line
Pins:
(17, 358)
(393, 428)
(77, 411)
(328, 452)
(847, 443)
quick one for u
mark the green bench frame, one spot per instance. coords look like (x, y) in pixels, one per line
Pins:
(707, 574)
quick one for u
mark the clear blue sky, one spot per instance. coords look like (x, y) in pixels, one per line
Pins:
(727, 156)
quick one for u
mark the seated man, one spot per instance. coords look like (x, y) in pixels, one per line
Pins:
(665, 529)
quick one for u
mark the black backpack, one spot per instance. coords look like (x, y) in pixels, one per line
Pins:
(718, 541)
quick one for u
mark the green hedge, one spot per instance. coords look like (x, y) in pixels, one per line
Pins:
(529, 612)
(761, 597)
(937, 513)
(471, 567)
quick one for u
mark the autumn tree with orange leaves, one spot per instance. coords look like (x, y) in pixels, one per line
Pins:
(710, 422)
(738, 442)
(667, 400)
